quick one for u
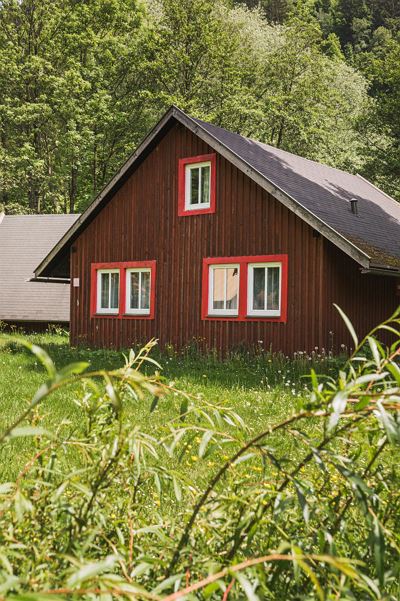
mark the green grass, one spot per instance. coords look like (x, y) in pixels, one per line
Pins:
(261, 388)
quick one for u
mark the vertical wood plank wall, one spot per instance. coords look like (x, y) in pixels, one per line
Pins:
(141, 223)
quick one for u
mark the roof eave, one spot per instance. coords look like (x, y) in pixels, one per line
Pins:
(393, 272)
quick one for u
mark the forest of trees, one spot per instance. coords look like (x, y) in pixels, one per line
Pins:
(82, 81)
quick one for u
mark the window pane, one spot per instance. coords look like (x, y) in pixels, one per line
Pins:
(145, 291)
(273, 288)
(205, 185)
(105, 289)
(114, 291)
(194, 185)
(232, 287)
(258, 288)
(218, 288)
(134, 300)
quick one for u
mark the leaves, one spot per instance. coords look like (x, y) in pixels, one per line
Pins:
(207, 436)
(378, 548)
(349, 325)
(30, 431)
(101, 510)
(76, 99)
(90, 571)
(391, 426)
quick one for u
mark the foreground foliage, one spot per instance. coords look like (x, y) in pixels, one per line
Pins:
(105, 510)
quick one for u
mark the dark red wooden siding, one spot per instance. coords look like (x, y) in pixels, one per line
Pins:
(366, 299)
(141, 223)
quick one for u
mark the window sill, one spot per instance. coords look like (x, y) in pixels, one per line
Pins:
(121, 316)
(137, 316)
(244, 318)
(188, 212)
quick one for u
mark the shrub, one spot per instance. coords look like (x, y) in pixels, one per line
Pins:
(307, 508)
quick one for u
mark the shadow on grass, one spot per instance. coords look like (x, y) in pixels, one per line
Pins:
(243, 369)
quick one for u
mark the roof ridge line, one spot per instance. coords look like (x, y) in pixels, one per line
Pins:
(299, 156)
(377, 188)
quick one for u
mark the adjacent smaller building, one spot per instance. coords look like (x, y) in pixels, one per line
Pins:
(24, 241)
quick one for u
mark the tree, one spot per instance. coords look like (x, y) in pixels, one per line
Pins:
(382, 125)
(81, 83)
(279, 84)
(70, 100)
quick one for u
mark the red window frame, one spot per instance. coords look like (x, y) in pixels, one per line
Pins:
(182, 211)
(243, 262)
(123, 267)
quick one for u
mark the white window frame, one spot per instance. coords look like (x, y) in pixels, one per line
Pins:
(188, 189)
(99, 309)
(221, 312)
(140, 270)
(250, 285)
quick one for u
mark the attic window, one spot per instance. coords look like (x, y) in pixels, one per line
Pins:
(197, 192)
(196, 185)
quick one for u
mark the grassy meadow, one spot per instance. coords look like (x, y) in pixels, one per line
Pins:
(262, 388)
(249, 477)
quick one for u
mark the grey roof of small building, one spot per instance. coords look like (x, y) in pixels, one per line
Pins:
(24, 241)
(326, 192)
(318, 194)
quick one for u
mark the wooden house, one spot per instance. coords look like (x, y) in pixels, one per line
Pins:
(209, 236)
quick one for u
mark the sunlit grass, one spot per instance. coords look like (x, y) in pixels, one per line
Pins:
(262, 388)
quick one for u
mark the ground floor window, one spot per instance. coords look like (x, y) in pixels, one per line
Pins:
(108, 291)
(138, 284)
(245, 288)
(264, 289)
(123, 289)
(224, 289)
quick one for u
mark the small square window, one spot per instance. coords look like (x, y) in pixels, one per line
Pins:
(197, 185)
(197, 193)
(108, 291)
(138, 283)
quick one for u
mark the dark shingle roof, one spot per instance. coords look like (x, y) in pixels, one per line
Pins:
(24, 241)
(326, 192)
(318, 194)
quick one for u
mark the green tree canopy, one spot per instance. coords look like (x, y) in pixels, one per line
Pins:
(81, 82)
